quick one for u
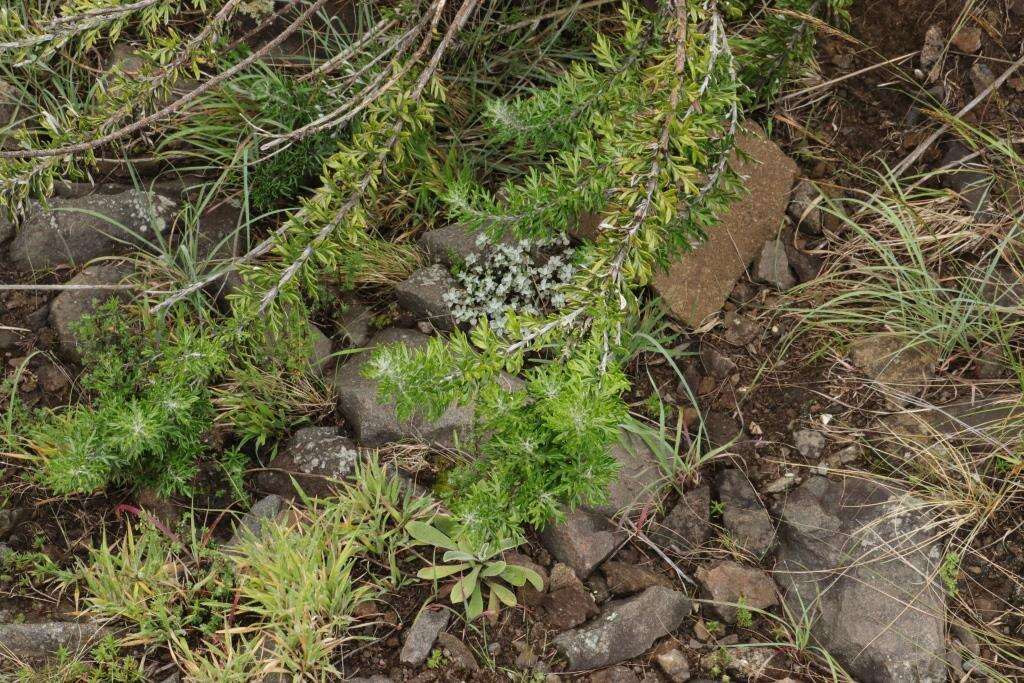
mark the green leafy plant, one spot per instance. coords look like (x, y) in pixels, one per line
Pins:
(477, 568)
(744, 617)
(949, 572)
(436, 659)
(150, 407)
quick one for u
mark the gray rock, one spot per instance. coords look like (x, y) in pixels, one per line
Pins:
(773, 266)
(718, 365)
(425, 629)
(729, 584)
(251, 523)
(743, 514)
(748, 663)
(568, 604)
(806, 266)
(721, 428)
(354, 323)
(897, 367)
(982, 76)
(217, 233)
(971, 182)
(674, 665)
(1003, 287)
(37, 641)
(625, 629)
(862, 559)
(10, 338)
(688, 523)
(375, 422)
(626, 578)
(451, 244)
(809, 442)
(10, 518)
(72, 305)
(583, 540)
(934, 42)
(316, 458)
(983, 422)
(75, 231)
(968, 39)
(805, 207)
(422, 294)
(460, 657)
(615, 674)
(739, 329)
(639, 478)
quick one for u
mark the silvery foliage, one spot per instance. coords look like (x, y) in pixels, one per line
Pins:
(519, 277)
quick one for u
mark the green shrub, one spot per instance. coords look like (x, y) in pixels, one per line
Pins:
(148, 411)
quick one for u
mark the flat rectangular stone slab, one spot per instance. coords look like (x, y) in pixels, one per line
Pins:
(696, 285)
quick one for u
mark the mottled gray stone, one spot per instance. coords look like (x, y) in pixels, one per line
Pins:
(773, 266)
(743, 514)
(625, 629)
(583, 540)
(862, 559)
(425, 629)
(36, 641)
(316, 458)
(422, 294)
(451, 244)
(638, 483)
(74, 231)
(729, 584)
(688, 523)
(894, 363)
(72, 305)
(251, 523)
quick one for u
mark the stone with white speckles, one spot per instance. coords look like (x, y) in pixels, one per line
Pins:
(625, 629)
(317, 458)
(74, 230)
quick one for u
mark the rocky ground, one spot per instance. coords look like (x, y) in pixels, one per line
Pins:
(786, 548)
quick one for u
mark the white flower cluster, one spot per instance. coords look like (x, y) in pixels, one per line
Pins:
(521, 277)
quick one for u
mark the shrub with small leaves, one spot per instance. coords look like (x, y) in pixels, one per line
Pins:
(149, 411)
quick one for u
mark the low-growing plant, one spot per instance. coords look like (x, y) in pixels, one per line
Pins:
(478, 568)
(294, 588)
(548, 443)
(518, 278)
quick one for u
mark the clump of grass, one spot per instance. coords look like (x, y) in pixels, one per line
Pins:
(900, 271)
(917, 263)
(282, 601)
